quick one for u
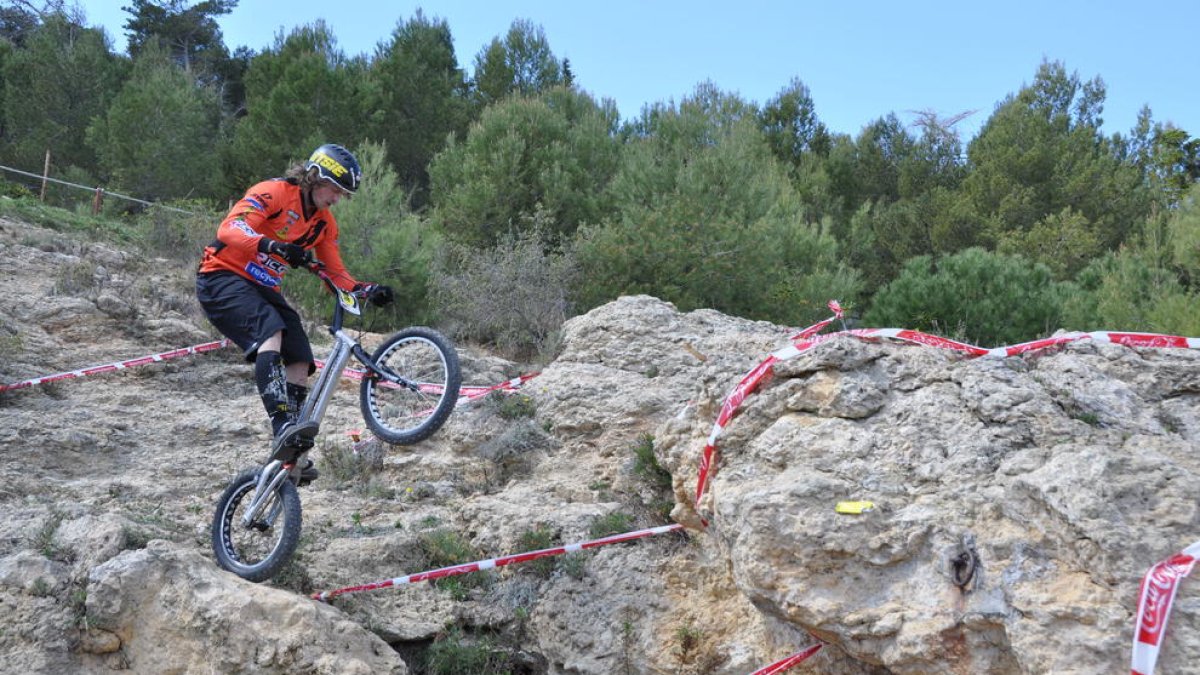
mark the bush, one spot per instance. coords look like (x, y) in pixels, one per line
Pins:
(15, 190)
(985, 298)
(454, 654)
(513, 453)
(511, 406)
(537, 539)
(170, 234)
(445, 548)
(646, 465)
(1128, 290)
(513, 295)
(613, 523)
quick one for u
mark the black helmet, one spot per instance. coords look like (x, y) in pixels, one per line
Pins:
(336, 164)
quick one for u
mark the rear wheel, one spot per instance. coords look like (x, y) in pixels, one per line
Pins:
(412, 410)
(256, 552)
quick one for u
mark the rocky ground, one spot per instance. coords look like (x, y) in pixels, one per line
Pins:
(1059, 477)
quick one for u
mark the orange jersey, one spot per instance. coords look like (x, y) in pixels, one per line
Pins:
(274, 209)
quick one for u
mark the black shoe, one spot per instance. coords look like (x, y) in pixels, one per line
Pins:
(309, 473)
(294, 436)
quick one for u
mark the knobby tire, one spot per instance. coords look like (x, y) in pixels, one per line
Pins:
(238, 548)
(398, 415)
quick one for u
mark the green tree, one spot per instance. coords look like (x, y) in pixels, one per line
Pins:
(935, 159)
(883, 235)
(985, 298)
(190, 34)
(1183, 232)
(64, 77)
(1175, 162)
(1042, 152)
(1127, 290)
(911, 186)
(156, 139)
(16, 24)
(883, 148)
(866, 168)
(551, 155)
(419, 95)
(1064, 242)
(706, 217)
(790, 124)
(192, 37)
(299, 94)
(522, 63)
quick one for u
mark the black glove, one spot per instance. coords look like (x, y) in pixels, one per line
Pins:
(378, 294)
(293, 254)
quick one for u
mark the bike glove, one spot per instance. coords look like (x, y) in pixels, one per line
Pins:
(378, 294)
(293, 254)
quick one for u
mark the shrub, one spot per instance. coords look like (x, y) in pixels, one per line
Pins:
(15, 190)
(43, 540)
(445, 548)
(986, 298)
(350, 464)
(1128, 290)
(513, 295)
(78, 279)
(512, 406)
(535, 540)
(453, 654)
(513, 452)
(646, 465)
(612, 523)
(179, 236)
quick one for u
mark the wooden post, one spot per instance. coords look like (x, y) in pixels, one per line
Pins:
(45, 174)
(97, 201)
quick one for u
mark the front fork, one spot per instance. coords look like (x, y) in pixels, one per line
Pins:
(375, 372)
(269, 480)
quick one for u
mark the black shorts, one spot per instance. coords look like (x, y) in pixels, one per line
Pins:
(248, 314)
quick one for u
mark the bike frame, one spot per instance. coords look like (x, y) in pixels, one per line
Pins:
(275, 472)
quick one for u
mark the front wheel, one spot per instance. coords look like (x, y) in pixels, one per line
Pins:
(256, 552)
(411, 410)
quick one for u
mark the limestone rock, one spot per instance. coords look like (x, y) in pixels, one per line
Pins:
(165, 595)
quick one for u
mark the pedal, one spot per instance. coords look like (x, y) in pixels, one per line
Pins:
(292, 438)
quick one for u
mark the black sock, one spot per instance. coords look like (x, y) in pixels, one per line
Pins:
(297, 395)
(272, 387)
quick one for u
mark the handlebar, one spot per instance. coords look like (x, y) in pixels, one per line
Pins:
(318, 268)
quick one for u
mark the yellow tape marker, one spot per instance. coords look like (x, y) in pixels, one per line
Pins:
(854, 507)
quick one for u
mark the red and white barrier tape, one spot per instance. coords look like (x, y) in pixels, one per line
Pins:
(466, 393)
(492, 563)
(793, 660)
(1155, 597)
(119, 365)
(808, 338)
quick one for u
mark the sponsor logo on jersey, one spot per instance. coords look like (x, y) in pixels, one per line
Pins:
(273, 265)
(241, 225)
(261, 275)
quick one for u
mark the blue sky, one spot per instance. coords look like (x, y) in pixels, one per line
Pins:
(860, 60)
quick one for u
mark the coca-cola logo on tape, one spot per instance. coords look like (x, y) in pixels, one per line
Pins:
(1156, 597)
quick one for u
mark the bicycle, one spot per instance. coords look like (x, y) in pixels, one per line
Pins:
(409, 388)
